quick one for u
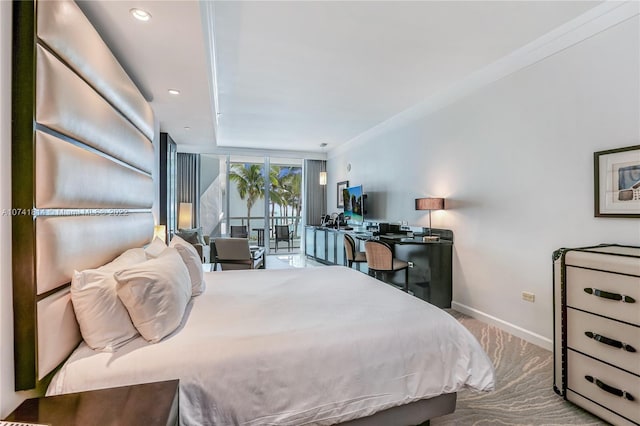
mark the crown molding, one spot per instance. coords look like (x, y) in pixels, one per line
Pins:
(221, 150)
(594, 21)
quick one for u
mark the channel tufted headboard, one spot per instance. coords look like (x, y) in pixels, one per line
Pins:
(82, 166)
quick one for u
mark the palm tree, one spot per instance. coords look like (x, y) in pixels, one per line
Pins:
(294, 182)
(250, 183)
(275, 193)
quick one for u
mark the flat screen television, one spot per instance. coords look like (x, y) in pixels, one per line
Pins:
(354, 204)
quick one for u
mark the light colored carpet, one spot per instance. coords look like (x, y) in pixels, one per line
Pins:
(524, 386)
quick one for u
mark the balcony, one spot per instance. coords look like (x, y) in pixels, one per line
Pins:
(257, 226)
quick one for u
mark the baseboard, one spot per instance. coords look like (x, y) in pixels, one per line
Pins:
(527, 335)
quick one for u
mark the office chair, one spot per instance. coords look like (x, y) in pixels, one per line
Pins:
(380, 259)
(351, 254)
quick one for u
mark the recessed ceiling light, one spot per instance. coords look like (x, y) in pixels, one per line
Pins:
(187, 128)
(140, 15)
(174, 91)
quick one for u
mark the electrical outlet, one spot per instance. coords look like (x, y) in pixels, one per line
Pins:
(529, 297)
(410, 264)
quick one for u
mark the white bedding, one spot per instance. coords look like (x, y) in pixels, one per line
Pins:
(294, 347)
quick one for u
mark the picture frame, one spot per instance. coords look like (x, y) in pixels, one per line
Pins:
(339, 196)
(617, 182)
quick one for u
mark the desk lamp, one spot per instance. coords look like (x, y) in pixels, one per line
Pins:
(429, 204)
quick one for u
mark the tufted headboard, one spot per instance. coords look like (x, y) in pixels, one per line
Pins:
(82, 174)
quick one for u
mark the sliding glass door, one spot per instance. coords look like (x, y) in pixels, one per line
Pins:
(247, 195)
(255, 197)
(285, 203)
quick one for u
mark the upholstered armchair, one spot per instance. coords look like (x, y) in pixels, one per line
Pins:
(234, 253)
(198, 241)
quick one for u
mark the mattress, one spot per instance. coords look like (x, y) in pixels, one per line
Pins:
(294, 347)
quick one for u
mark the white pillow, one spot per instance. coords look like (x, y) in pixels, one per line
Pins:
(155, 249)
(129, 257)
(155, 293)
(104, 321)
(191, 259)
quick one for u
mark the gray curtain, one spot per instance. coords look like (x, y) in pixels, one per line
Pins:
(188, 183)
(315, 194)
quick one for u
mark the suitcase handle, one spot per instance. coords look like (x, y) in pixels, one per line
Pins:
(610, 296)
(611, 342)
(610, 389)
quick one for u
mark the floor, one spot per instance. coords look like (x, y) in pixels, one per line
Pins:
(281, 261)
(288, 261)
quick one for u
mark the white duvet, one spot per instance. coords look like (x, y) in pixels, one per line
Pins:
(294, 347)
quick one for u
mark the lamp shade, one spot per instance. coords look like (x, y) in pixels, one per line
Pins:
(429, 203)
(323, 178)
(184, 216)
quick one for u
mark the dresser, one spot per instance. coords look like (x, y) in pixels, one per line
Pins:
(597, 330)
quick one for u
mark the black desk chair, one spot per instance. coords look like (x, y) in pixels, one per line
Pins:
(283, 234)
(380, 259)
(351, 254)
(239, 231)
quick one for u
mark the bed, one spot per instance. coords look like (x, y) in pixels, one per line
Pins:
(294, 347)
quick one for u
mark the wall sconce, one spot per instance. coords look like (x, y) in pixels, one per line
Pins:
(160, 231)
(184, 216)
(429, 204)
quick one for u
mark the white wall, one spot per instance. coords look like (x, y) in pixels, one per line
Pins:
(514, 160)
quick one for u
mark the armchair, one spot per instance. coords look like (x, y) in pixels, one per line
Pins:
(234, 253)
(198, 241)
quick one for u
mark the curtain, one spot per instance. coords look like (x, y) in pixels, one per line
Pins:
(188, 183)
(315, 194)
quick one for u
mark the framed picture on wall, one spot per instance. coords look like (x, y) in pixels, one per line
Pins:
(617, 182)
(339, 189)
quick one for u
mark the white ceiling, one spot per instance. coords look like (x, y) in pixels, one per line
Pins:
(292, 75)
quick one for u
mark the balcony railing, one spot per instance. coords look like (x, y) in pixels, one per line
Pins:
(258, 222)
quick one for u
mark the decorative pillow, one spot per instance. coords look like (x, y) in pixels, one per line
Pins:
(193, 236)
(104, 321)
(191, 259)
(154, 249)
(155, 293)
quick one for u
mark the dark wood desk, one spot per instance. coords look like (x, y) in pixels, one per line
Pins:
(149, 404)
(431, 277)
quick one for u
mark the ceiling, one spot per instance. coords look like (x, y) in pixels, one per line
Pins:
(292, 75)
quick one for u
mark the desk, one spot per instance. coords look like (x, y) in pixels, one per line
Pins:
(430, 278)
